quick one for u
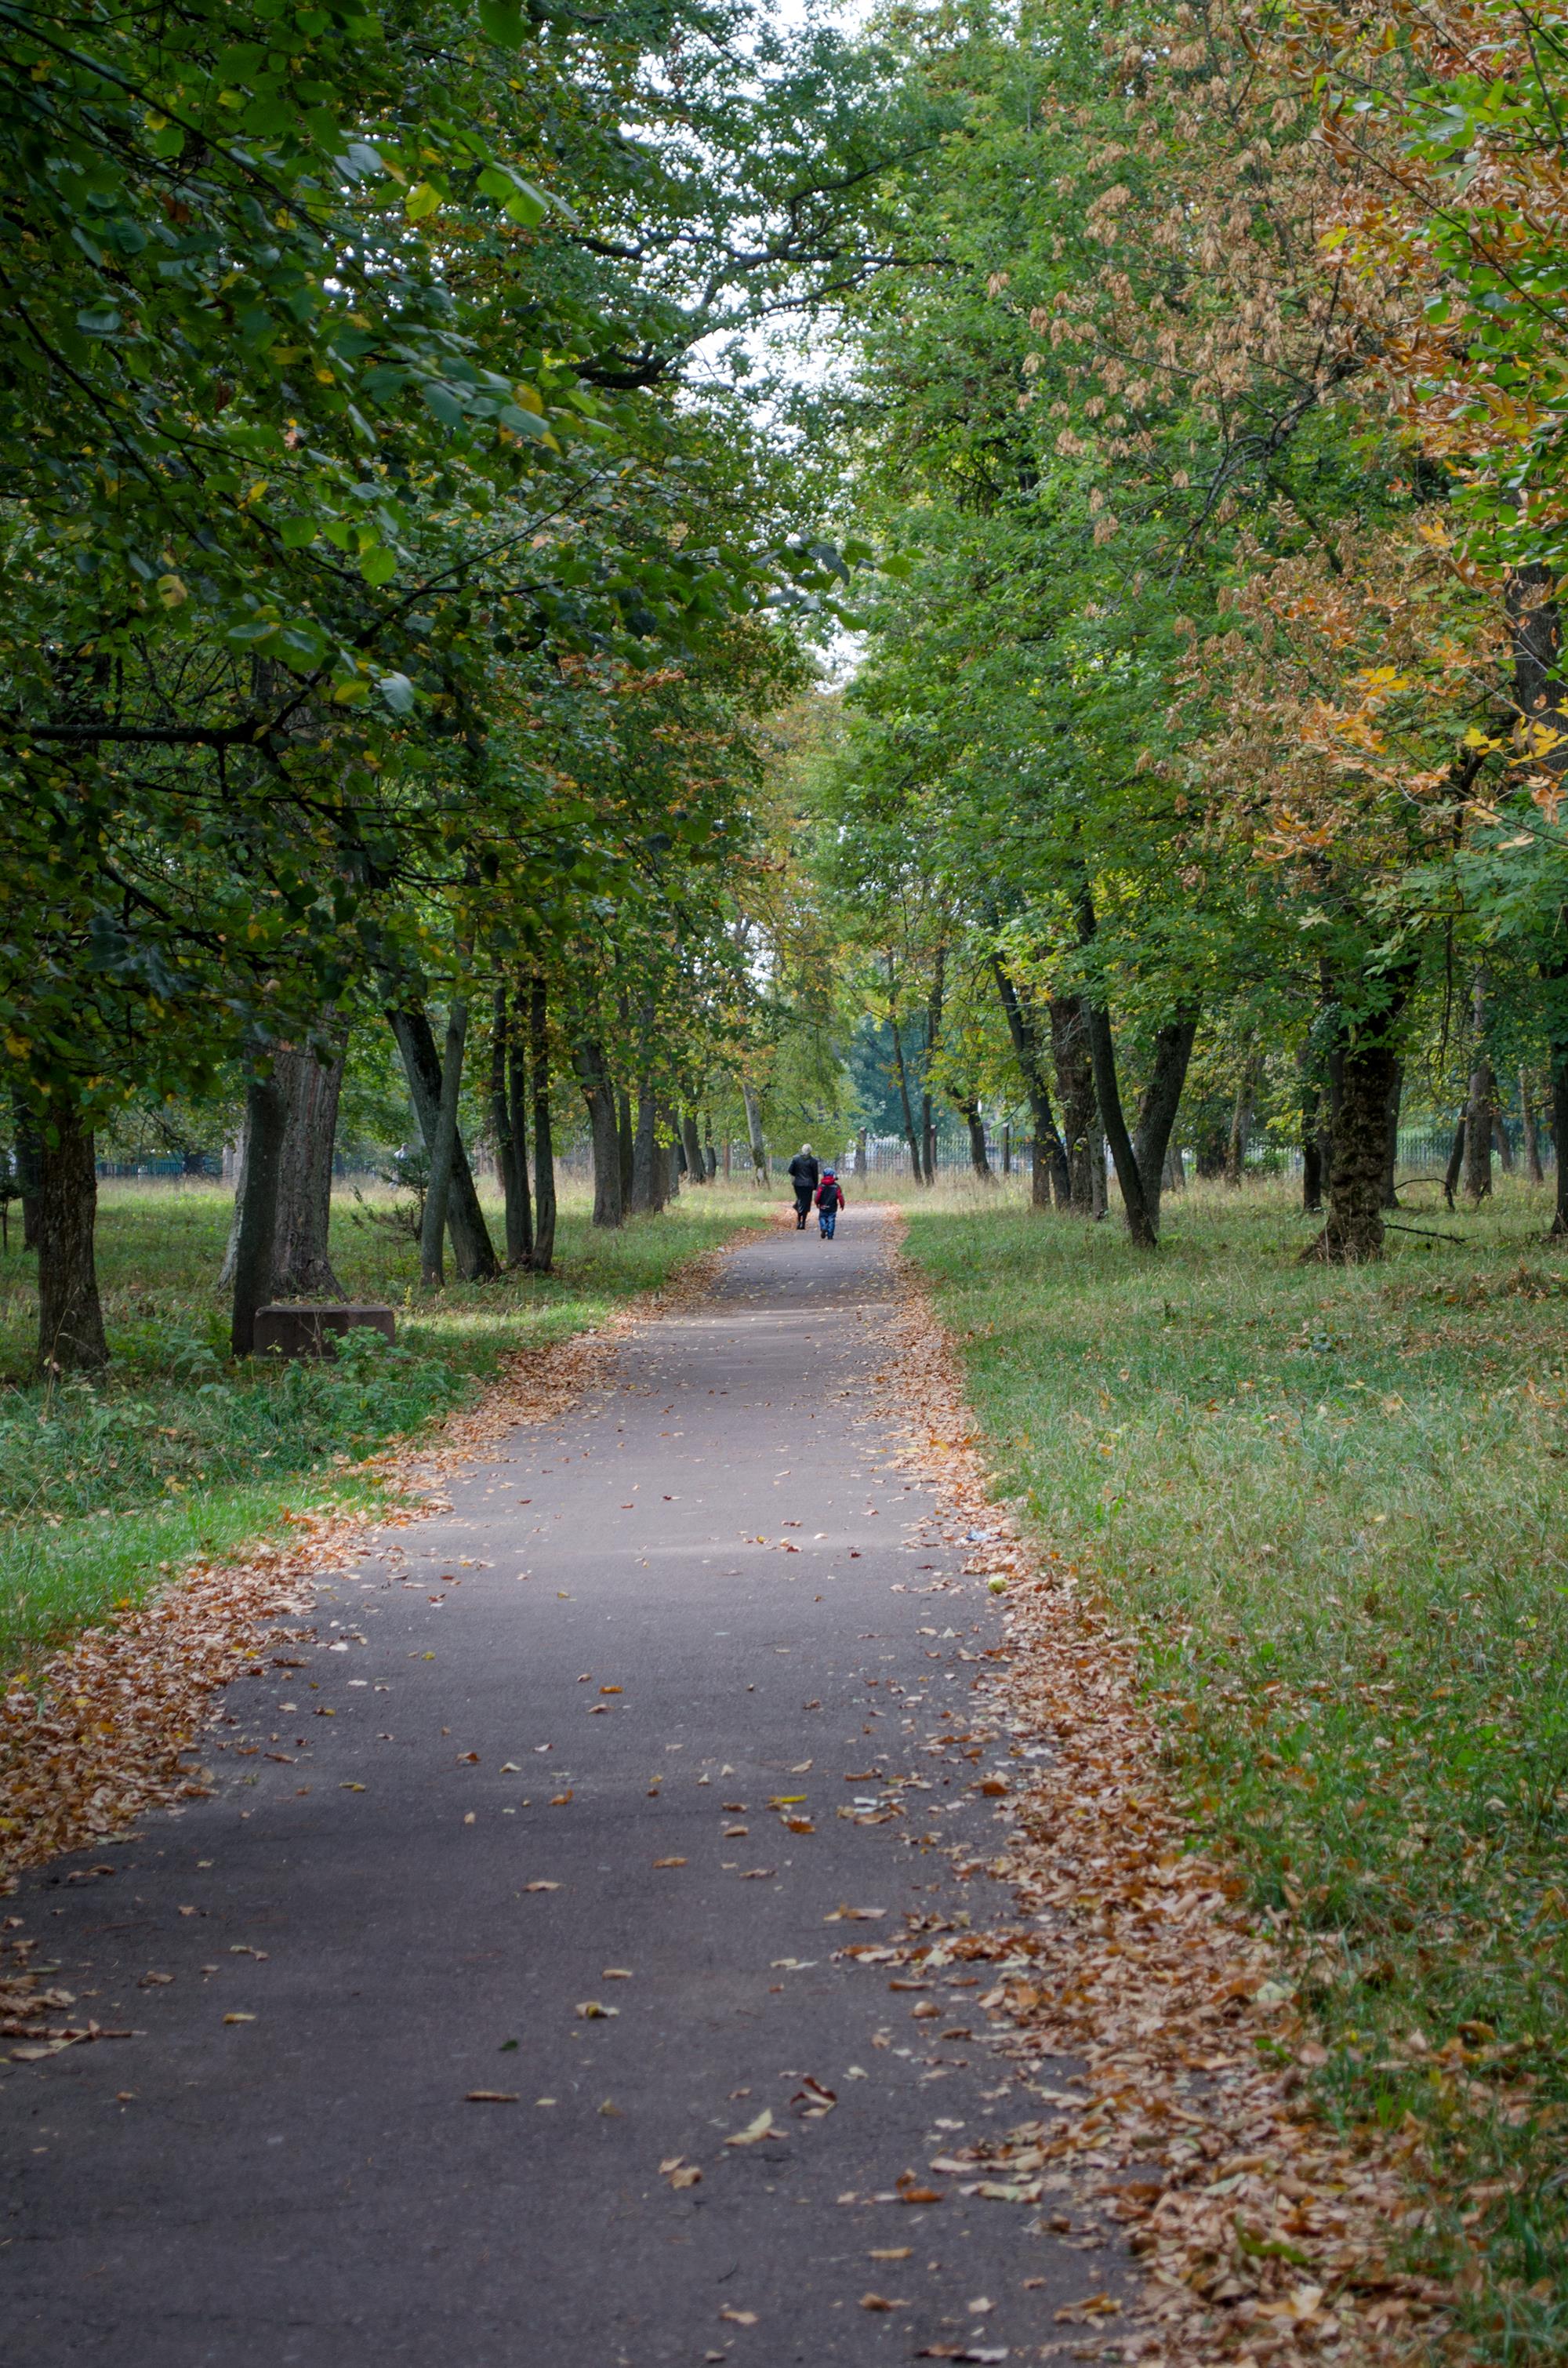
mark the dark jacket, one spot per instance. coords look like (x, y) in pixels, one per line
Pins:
(803, 1173)
(830, 1193)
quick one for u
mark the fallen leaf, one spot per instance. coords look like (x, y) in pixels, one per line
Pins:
(359, 1788)
(559, 1799)
(739, 2318)
(883, 2302)
(813, 2100)
(239, 2017)
(615, 1973)
(492, 2096)
(755, 2132)
(541, 1886)
(590, 2010)
(890, 2253)
(510, 1768)
(669, 1861)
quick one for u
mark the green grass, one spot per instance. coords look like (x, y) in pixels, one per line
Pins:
(175, 1452)
(1333, 1505)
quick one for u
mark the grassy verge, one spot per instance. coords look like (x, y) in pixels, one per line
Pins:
(176, 1452)
(1335, 1509)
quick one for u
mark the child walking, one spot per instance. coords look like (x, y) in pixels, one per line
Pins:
(830, 1200)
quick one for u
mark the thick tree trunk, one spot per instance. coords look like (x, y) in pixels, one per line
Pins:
(1500, 1137)
(443, 1150)
(1076, 1084)
(1157, 1110)
(1368, 1078)
(544, 1144)
(1141, 1222)
(593, 1074)
(696, 1166)
(1049, 1168)
(474, 1253)
(267, 1120)
(302, 1260)
(70, 1318)
(1173, 1176)
(754, 1135)
(710, 1157)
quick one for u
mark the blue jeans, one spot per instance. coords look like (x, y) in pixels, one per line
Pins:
(826, 1220)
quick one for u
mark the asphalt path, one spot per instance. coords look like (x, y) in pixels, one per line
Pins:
(520, 1822)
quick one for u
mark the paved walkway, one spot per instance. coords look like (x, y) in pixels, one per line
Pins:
(531, 1770)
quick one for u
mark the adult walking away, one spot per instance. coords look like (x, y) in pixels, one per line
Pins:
(804, 1175)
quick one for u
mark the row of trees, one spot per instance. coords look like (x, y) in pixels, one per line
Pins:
(395, 581)
(1213, 708)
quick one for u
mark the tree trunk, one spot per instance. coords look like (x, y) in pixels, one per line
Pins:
(70, 1318)
(267, 1120)
(231, 1248)
(1368, 1078)
(1391, 1165)
(1076, 1084)
(544, 1145)
(1500, 1137)
(696, 1166)
(754, 1135)
(1142, 1223)
(1311, 1151)
(933, 1038)
(443, 1150)
(515, 1098)
(1560, 1134)
(1157, 1110)
(901, 1073)
(1481, 1106)
(646, 1179)
(862, 1167)
(1050, 1166)
(1455, 1163)
(1533, 1169)
(979, 1164)
(626, 1138)
(29, 1174)
(1006, 1146)
(474, 1253)
(593, 1074)
(710, 1157)
(1173, 1176)
(302, 1259)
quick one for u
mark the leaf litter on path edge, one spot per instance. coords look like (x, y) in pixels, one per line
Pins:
(103, 1730)
(1263, 2234)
